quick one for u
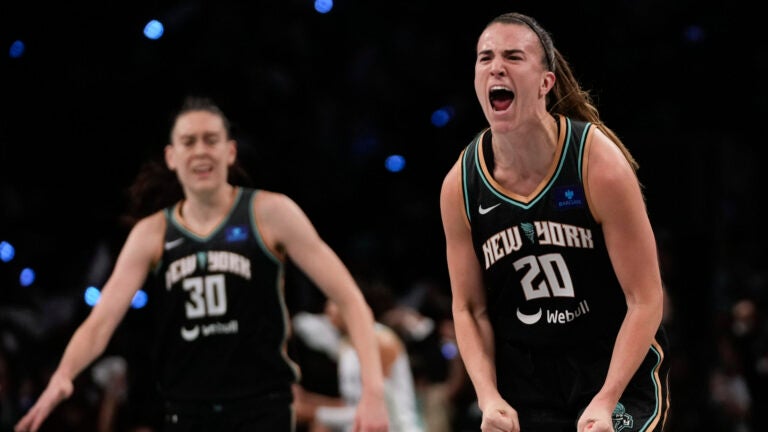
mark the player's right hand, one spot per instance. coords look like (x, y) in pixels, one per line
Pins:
(499, 416)
(58, 389)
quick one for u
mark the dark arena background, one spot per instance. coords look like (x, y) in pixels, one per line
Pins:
(357, 109)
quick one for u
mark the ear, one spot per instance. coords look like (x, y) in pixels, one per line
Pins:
(232, 153)
(168, 153)
(547, 82)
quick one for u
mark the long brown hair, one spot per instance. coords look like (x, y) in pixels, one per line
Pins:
(567, 97)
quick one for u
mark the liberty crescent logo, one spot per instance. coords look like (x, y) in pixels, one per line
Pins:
(173, 243)
(190, 335)
(529, 319)
(487, 209)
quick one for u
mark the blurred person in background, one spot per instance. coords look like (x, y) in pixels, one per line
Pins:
(215, 252)
(328, 333)
(422, 319)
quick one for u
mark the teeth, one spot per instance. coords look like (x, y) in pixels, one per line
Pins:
(498, 87)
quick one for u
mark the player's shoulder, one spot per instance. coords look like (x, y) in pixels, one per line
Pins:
(279, 211)
(270, 200)
(152, 222)
(146, 237)
(148, 231)
(606, 159)
(451, 178)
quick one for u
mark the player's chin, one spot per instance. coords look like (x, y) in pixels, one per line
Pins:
(500, 124)
(202, 186)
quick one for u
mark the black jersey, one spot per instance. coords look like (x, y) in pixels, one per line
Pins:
(548, 277)
(223, 319)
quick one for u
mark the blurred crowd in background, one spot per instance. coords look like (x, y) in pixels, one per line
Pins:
(719, 378)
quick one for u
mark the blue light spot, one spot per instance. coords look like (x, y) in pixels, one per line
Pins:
(694, 34)
(7, 251)
(27, 277)
(139, 300)
(17, 49)
(395, 163)
(92, 295)
(449, 350)
(153, 30)
(442, 116)
(323, 6)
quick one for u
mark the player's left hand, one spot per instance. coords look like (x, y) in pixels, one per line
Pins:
(597, 417)
(371, 414)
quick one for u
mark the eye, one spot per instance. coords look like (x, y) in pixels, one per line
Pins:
(212, 139)
(484, 57)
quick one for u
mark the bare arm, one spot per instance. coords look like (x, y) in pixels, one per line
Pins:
(616, 200)
(91, 337)
(474, 334)
(333, 411)
(287, 227)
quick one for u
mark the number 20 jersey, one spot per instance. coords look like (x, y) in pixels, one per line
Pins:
(548, 277)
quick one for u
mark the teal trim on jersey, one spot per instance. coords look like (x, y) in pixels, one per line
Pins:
(583, 141)
(257, 234)
(156, 269)
(544, 191)
(280, 287)
(180, 227)
(477, 139)
(656, 392)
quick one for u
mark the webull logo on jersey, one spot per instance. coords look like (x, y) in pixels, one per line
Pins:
(211, 261)
(208, 330)
(510, 240)
(555, 316)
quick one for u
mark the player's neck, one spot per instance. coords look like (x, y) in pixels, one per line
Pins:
(202, 213)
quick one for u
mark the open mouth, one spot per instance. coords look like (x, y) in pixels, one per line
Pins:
(202, 169)
(501, 98)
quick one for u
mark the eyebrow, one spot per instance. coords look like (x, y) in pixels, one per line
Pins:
(205, 133)
(505, 52)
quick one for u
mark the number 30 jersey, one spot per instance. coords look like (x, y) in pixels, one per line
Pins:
(221, 311)
(546, 270)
